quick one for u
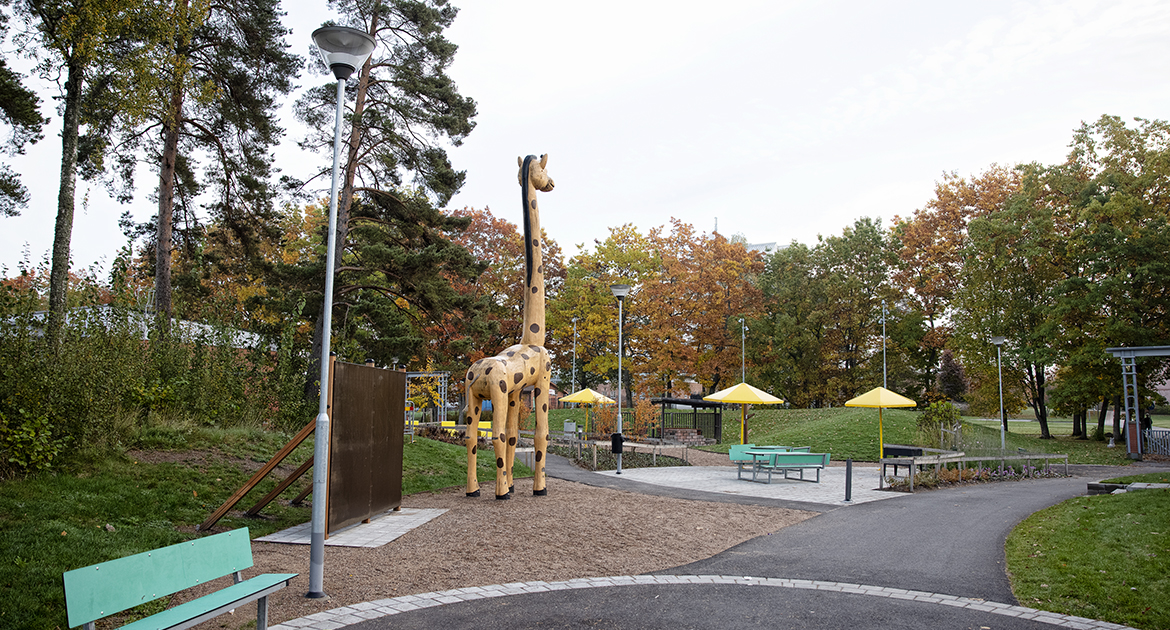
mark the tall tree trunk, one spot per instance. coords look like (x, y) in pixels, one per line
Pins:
(166, 208)
(1077, 418)
(63, 231)
(1039, 405)
(1101, 417)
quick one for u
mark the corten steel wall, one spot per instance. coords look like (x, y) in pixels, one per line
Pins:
(365, 444)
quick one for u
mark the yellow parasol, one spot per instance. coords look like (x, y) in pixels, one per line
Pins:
(880, 397)
(588, 397)
(745, 395)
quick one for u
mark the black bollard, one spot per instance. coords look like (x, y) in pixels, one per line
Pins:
(849, 480)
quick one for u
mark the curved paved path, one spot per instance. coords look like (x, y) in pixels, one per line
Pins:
(927, 560)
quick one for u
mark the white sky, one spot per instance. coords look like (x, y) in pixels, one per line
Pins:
(783, 120)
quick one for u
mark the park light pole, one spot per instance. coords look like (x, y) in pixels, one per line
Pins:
(620, 291)
(998, 341)
(344, 50)
(573, 384)
(884, 382)
(742, 352)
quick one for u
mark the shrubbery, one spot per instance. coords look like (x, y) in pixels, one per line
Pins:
(111, 376)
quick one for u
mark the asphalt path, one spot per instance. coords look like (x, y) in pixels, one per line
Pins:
(948, 541)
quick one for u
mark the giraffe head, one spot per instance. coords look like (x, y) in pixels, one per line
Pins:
(536, 173)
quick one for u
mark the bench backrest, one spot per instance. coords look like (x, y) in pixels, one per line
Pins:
(107, 588)
(737, 452)
(783, 459)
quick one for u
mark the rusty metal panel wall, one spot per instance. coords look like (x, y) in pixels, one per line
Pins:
(365, 454)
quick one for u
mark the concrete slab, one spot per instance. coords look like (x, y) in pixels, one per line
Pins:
(722, 480)
(381, 529)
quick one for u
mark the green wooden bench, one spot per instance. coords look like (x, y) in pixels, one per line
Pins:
(108, 588)
(792, 461)
(737, 453)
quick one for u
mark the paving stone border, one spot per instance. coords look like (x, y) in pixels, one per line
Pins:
(356, 613)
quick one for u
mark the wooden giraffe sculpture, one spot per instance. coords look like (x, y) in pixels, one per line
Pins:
(503, 377)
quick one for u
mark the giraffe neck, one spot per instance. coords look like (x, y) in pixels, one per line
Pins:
(533, 330)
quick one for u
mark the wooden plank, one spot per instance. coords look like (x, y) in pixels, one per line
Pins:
(280, 487)
(258, 477)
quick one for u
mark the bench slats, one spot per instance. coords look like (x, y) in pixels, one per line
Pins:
(197, 611)
(108, 588)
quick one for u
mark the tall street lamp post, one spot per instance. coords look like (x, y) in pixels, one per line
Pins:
(884, 383)
(742, 351)
(998, 341)
(573, 384)
(344, 50)
(620, 291)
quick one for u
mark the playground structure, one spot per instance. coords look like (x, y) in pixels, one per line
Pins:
(502, 378)
(1156, 440)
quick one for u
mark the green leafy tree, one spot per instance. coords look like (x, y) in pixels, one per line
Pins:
(19, 110)
(211, 90)
(405, 109)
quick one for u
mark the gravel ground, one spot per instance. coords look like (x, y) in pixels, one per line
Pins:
(575, 531)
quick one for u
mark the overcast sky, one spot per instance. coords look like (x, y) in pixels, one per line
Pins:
(780, 120)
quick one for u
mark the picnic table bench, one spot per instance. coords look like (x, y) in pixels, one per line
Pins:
(793, 461)
(738, 454)
(108, 588)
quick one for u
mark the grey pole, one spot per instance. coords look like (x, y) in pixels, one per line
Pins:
(998, 341)
(344, 50)
(742, 352)
(321, 432)
(619, 291)
(884, 383)
(573, 383)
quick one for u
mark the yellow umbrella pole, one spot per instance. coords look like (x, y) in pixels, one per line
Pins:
(881, 442)
(743, 423)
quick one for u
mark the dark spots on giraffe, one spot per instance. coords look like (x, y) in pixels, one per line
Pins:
(533, 204)
(469, 418)
(532, 370)
(536, 392)
(501, 438)
(517, 377)
(536, 242)
(547, 366)
(474, 449)
(535, 290)
(511, 441)
(540, 269)
(476, 410)
(534, 328)
(487, 371)
(539, 455)
(535, 349)
(503, 387)
(544, 408)
(511, 403)
(511, 354)
(525, 357)
(499, 462)
(470, 376)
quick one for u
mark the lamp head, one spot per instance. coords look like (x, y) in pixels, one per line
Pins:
(620, 291)
(998, 340)
(343, 49)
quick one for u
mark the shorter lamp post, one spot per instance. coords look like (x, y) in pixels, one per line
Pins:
(620, 291)
(998, 341)
(573, 383)
(884, 382)
(344, 50)
(742, 351)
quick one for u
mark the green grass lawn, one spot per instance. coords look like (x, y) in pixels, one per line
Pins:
(1162, 477)
(1103, 557)
(100, 507)
(846, 432)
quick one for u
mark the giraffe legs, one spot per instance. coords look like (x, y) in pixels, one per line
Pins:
(513, 431)
(471, 438)
(500, 413)
(541, 442)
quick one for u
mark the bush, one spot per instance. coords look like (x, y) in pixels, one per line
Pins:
(937, 416)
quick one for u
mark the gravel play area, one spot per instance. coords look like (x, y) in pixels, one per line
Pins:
(575, 531)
